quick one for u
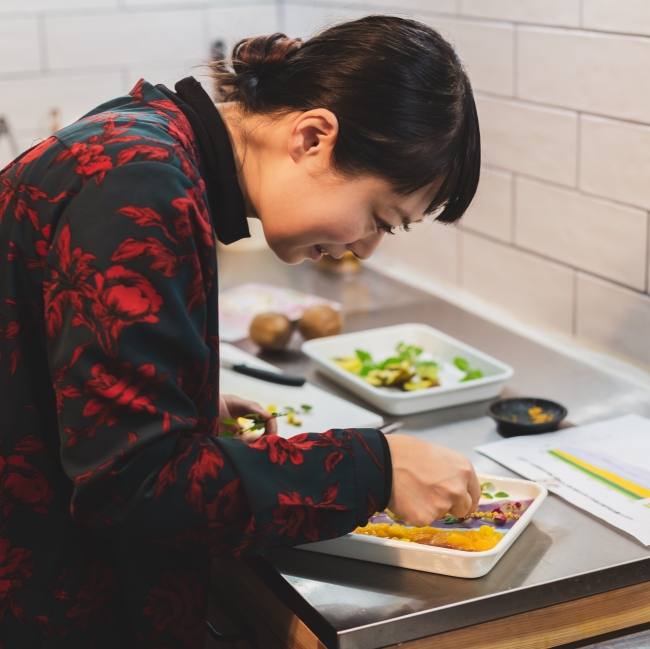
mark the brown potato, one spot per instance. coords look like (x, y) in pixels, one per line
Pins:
(320, 321)
(270, 330)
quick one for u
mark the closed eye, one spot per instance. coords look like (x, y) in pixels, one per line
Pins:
(382, 226)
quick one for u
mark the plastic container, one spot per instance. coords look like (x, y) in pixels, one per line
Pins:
(381, 343)
(444, 561)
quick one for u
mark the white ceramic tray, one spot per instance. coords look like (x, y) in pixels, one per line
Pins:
(444, 561)
(381, 343)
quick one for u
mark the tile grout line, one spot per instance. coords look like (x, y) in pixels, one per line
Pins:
(581, 14)
(568, 188)
(533, 103)
(647, 260)
(574, 305)
(578, 150)
(515, 60)
(513, 211)
(550, 260)
(281, 16)
(459, 258)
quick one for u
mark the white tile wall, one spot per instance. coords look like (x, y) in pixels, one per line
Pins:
(615, 160)
(302, 20)
(29, 102)
(486, 48)
(582, 70)
(613, 318)
(598, 236)
(540, 291)
(14, 6)
(143, 37)
(438, 6)
(558, 233)
(165, 74)
(20, 47)
(430, 249)
(631, 17)
(491, 210)
(528, 138)
(547, 12)
(234, 23)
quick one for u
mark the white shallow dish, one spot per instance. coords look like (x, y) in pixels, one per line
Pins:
(444, 561)
(381, 343)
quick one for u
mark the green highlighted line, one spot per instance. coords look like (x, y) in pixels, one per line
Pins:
(609, 483)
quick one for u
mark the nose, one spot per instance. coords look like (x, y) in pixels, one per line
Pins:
(363, 248)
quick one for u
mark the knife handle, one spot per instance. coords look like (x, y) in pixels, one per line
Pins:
(271, 377)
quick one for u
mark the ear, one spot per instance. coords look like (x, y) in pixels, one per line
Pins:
(312, 136)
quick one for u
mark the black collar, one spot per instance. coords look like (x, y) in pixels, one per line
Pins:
(225, 197)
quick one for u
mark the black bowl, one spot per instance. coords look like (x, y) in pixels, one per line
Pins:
(513, 417)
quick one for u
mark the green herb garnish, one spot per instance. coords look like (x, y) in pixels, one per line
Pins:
(470, 374)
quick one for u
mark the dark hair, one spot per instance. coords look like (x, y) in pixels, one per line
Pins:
(402, 98)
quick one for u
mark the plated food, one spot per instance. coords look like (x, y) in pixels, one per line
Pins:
(468, 547)
(408, 368)
(481, 530)
(383, 367)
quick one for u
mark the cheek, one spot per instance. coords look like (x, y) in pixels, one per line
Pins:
(309, 212)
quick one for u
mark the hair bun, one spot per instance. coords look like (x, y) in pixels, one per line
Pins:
(261, 53)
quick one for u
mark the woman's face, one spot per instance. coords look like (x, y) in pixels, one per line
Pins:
(305, 217)
(306, 208)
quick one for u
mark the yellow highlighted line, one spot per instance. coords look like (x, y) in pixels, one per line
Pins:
(626, 487)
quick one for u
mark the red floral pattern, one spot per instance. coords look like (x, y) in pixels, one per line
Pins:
(298, 514)
(177, 605)
(22, 486)
(14, 569)
(112, 477)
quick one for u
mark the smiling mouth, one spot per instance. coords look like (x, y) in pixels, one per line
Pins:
(320, 249)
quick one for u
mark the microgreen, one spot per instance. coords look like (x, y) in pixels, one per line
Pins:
(501, 494)
(470, 374)
(259, 422)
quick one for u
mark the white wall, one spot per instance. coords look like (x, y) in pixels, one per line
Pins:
(72, 55)
(559, 232)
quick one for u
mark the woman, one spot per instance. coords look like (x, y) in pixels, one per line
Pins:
(115, 486)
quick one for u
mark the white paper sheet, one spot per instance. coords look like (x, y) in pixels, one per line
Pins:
(603, 468)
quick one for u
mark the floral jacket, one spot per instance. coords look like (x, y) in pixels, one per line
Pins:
(114, 488)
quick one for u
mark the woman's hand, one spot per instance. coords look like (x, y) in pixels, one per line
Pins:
(232, 407)
(429, 481)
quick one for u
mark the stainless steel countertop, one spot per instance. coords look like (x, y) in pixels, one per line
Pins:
(564, 553)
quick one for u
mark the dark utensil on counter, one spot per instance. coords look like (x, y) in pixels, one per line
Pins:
(526, 416)
(265, 375)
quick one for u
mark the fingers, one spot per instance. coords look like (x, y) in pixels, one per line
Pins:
(474, 489)
(462, 506)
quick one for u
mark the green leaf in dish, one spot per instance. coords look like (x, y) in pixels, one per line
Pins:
(461, 363)
(364, 357)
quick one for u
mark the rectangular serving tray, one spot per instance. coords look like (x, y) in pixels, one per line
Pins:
(381, 343)
(444, 561)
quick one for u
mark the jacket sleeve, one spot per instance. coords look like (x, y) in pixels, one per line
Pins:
(127, 298)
